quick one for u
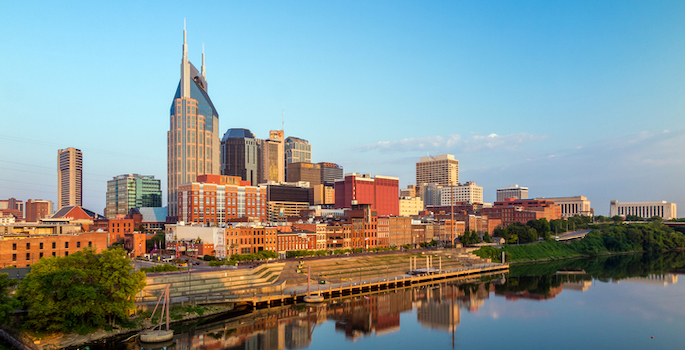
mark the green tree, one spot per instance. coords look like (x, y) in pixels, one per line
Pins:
(487, 238)
(541, 226)
(8, 304)
(80, 292)
(617, 219)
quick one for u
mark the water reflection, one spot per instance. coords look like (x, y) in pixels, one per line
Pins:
(437, 307)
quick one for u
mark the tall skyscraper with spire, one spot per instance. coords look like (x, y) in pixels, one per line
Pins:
(193, 138)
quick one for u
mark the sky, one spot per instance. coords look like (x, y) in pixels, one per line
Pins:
(565, 97)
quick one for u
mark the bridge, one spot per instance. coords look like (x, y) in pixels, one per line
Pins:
(568, 236)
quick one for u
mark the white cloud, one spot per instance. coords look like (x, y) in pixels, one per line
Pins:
(454, 143)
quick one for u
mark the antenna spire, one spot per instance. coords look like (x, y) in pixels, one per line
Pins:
(203, 61)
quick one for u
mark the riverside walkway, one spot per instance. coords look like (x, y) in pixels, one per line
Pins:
(296, 294)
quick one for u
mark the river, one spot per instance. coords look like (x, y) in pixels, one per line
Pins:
(617, 302)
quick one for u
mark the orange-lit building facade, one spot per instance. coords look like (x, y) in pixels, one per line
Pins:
(245, 240)
(296, 240)
(381, 192)
(22, 251)
(218, 199)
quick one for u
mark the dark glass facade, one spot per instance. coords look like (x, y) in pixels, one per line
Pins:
(240, 155)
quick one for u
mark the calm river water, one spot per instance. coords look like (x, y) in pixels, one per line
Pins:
(618, 302)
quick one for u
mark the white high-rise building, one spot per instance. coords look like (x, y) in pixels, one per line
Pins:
(468, 192)
(514, 191)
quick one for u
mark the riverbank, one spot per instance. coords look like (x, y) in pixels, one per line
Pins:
(73, 340)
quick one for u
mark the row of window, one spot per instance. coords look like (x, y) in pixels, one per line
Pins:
(54, 245)
(40, 255)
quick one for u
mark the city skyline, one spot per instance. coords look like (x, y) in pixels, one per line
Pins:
(566, 99)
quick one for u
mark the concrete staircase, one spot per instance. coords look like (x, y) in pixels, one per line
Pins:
(372, 266)
(220, 281)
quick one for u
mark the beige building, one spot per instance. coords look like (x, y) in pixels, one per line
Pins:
(571, 206)
(514, 191)
(324, 194)
(665, 210)
(468, 192)
(410, 206)
(69, 177)
(272, 160)
(193, 145)
(410, 191)
(441, 170)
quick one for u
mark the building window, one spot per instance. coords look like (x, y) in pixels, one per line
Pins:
(54, 245)
(66, 245)
(14, 257)
(41, 255)
(90, 244)
(28, 246)
(14, 246)
(41, 246)
(28, 256)
(66, 253)
(78, 244)
(53, 254)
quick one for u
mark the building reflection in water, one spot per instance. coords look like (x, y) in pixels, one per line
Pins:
(291, 327)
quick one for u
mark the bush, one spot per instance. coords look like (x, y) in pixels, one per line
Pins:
(160, 268)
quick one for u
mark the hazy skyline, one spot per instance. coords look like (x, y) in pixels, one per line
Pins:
(566, 98)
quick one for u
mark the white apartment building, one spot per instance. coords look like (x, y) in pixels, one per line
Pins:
(665, 210)
(468, 192)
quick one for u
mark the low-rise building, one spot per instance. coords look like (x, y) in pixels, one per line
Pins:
(571, 206)
(410, 206)
(663, 209)
(25, 250)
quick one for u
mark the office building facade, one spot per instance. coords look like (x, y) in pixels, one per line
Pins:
(304, 172)
(381, 192)
(240, 155)
(192, 141)
(69, 177)
(37, 209)
(132, 191)
(272, 161)
(330, 172)
(442, 170)
(297, 150)
(515, 192)
(469, 192)
(214, 200)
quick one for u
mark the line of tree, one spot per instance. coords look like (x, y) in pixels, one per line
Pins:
(604, 238)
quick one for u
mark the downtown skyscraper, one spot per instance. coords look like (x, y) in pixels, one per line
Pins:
(193, 138)
(69, 177)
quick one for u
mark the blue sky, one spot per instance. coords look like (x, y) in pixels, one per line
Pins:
(565, 97)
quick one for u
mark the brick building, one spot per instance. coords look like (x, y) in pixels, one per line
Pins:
(381, 192)
(22, 251)
(216, 199)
